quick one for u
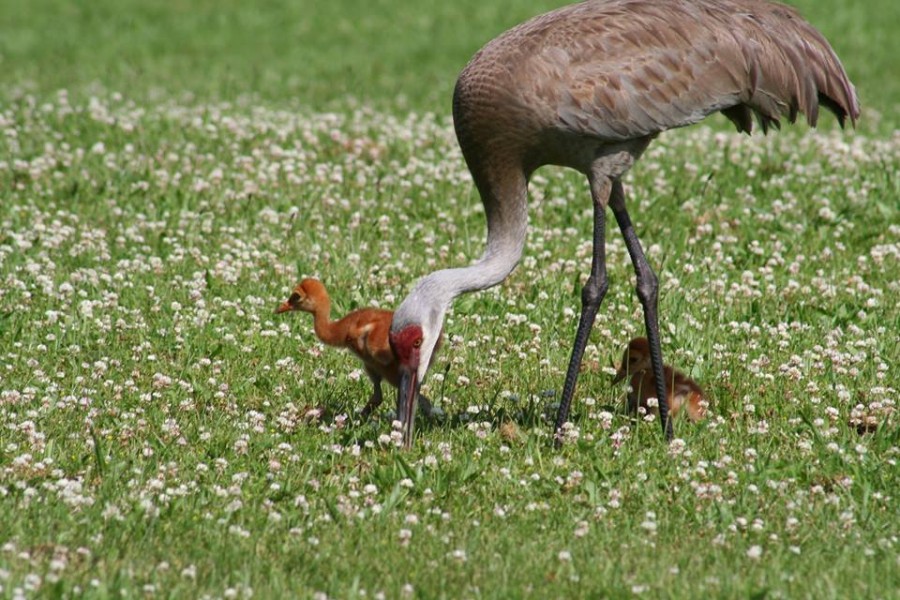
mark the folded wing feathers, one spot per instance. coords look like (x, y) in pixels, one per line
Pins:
(674, 64)
(792, 69)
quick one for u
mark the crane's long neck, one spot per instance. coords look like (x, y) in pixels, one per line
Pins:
(504, 200)
(505, 204)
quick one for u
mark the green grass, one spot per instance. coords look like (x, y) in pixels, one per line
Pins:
(158, 434)
(392, 54)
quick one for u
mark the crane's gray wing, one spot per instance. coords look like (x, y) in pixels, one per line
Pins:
(661, 65)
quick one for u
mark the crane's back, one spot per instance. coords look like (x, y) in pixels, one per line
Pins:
(605, 72)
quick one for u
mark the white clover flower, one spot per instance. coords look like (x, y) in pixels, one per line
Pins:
(459, 555)
(405, 536)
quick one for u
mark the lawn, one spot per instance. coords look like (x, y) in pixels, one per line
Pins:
(169, 170)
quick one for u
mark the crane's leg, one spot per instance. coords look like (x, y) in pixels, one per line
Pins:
(591, 296)
(647, 291)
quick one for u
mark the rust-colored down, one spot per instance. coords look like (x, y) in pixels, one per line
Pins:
(683, 392)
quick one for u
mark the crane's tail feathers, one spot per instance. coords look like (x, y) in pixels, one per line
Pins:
(791, 69)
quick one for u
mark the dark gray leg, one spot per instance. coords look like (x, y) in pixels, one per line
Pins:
(376, 399)
(647, 291)
(425, 406)
(591, 296)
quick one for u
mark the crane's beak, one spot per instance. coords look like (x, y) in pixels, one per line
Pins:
(621, 374)
(407, 398)
(285, 307)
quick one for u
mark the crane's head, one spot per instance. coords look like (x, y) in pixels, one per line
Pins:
(306, 296)
(635, 359)
(415, 336)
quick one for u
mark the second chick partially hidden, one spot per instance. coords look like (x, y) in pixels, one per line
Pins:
(682, 391)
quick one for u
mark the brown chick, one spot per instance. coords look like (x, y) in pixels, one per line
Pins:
(364, 332)
(682, 391)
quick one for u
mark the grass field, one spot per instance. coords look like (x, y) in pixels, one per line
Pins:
(168, 171)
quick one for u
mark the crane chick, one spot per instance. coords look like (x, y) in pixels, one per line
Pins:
(683, 392)
(364, 332)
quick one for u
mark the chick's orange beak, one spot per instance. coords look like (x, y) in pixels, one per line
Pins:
(285, 307)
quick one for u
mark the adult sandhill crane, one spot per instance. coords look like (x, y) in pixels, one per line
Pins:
(683, 392)
(364, 332)
(589, 86)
